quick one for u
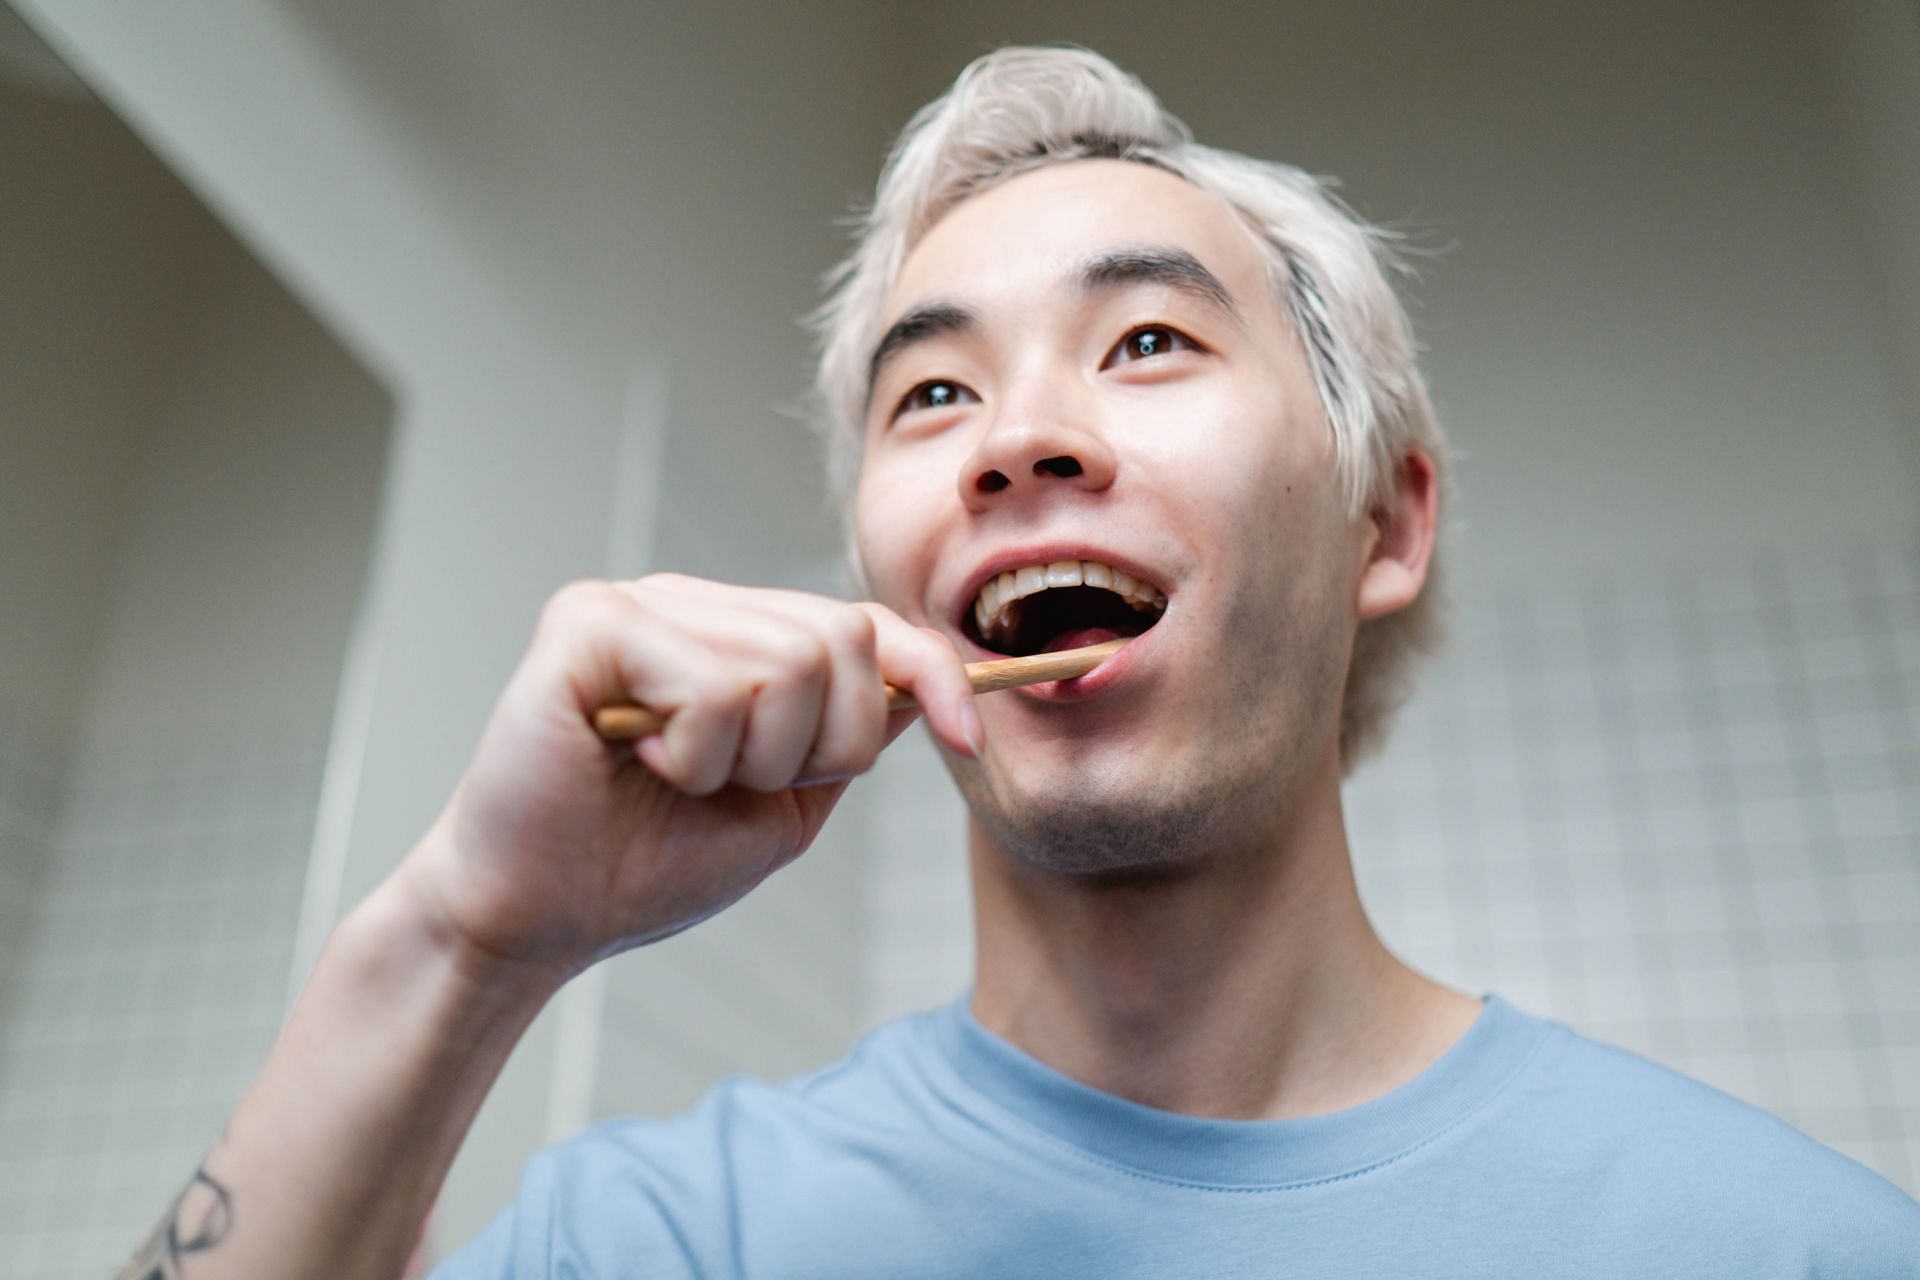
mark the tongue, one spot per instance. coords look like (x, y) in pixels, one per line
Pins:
(1081, 636)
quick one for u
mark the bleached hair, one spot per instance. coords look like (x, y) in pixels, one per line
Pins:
(1021, 109)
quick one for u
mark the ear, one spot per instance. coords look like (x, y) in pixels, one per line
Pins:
(1399, 534)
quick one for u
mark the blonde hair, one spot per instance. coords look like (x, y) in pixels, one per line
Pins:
(1020, 109)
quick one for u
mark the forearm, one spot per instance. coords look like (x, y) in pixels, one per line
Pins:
(337, 1151)
(553, 849)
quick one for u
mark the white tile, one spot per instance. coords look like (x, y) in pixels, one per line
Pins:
(1887, 895)
(1736, 1074)
(1702, 993)
(1809, 987)
(1826, 1078)
(1882, 813)
(1894, 978)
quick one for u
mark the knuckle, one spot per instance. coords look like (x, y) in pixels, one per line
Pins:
(842, 762)
(944, 656)
(700, 771)
(798, 652)
(677, 768)
(845, 757)
(722, 693)
(854, 628)
(576, 600)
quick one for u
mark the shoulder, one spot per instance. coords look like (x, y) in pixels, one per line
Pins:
(859, 1091)
(747, 1117)
(1629, 1129)
(669, 1188)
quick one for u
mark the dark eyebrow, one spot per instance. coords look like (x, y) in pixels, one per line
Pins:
(1114, 269)
(1157, 264)
(931, 320)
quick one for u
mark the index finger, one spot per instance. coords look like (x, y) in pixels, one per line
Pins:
(925, 663)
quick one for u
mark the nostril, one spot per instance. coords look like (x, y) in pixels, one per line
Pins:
(1064, 467)
(991, 482)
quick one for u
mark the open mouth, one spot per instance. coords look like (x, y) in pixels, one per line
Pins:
(1043, 607)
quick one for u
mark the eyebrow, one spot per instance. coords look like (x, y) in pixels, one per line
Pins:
(1114, 269)
(922, 324)
(1157, 264)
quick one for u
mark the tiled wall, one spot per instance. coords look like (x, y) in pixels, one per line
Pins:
(1677, 809)
(149, 971)
(31, 765)
(1681, 812)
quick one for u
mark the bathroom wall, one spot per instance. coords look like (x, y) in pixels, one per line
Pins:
(1647, 271)
(150, 978)
(1679, 810)
(515, 220)
(1871, 50)
(30, 773)
(193, 468)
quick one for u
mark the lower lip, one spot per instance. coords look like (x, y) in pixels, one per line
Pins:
(1099, 679)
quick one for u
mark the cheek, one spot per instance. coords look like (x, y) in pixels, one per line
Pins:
(1258, 497)
(891, 532)
(1237, 471)
(870, 517)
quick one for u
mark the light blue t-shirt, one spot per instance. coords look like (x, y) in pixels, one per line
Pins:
(938, 1149)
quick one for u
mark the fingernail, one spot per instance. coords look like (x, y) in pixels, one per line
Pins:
(972, 727)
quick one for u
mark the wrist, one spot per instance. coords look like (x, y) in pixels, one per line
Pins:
(403, 925)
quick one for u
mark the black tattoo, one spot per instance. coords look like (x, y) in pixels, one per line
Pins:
(201, 1217)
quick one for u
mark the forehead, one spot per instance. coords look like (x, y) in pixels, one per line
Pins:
(1027, 235)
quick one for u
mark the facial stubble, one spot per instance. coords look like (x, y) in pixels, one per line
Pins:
(1268, 703)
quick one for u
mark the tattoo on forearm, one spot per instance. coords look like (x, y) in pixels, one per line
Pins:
(201, 1217)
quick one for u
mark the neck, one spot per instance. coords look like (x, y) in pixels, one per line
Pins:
(1250, 985)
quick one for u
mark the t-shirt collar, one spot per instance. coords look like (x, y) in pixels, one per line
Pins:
(974, 1065)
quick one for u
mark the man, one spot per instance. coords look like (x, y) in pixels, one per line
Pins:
(1093, 381)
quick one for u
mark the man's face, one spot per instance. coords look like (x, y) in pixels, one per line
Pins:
(1089, 364)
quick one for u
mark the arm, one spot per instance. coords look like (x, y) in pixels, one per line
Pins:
(556, 850)
(332, 1159)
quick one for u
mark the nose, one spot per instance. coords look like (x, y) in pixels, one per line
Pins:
(1026, 455)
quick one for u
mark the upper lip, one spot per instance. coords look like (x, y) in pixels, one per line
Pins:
(1045, 553)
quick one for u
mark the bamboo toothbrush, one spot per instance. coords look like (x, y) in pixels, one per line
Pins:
(624, 722)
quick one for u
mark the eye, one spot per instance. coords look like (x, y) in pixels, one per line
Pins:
(937, 394)
(1146, 342)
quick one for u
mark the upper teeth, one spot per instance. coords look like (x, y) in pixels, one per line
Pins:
(994, 610)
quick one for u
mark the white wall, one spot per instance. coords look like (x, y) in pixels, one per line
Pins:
(80, 348)
(507, 219)
(1873, 50)
(83, 341)
(192, 467)
(1678, 810)
(247, 524)
(1651, 327)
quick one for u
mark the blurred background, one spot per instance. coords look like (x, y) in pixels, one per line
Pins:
(335, 336)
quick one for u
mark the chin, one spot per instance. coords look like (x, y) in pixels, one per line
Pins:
(1105, 827)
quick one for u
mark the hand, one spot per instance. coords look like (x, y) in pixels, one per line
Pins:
(559, 848)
